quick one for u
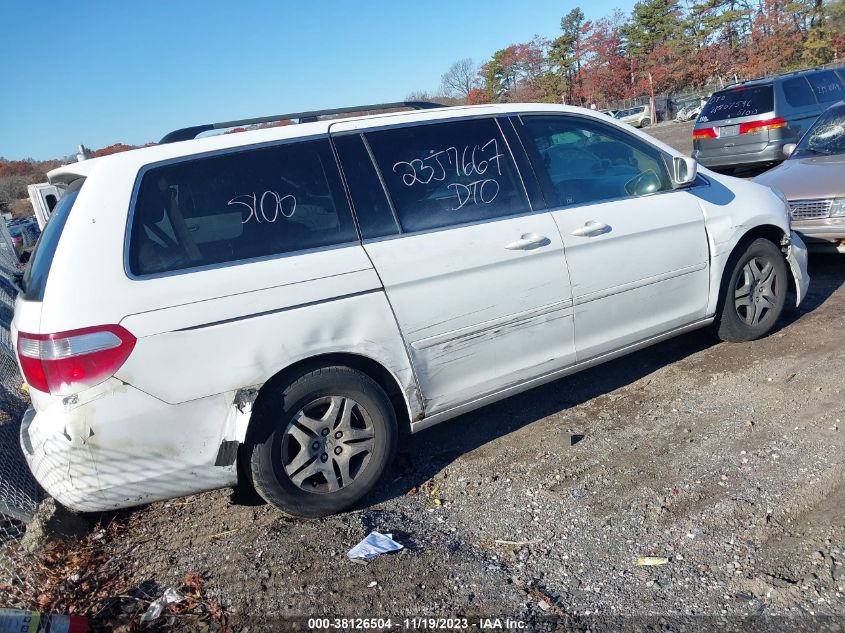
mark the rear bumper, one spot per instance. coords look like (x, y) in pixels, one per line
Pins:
(715, 158)
(121, 447)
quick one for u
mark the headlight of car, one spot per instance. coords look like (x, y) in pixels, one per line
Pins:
(837, 209)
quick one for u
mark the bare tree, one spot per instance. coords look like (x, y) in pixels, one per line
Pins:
(12, 188)
(459, 79)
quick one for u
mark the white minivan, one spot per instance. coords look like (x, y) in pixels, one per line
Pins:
(276, 305)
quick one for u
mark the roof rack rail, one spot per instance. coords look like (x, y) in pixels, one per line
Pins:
(188, 133)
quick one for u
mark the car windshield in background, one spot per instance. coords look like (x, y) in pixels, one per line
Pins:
(738, 102)
(827, 136)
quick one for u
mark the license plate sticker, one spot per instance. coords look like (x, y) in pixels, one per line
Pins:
(728, 130)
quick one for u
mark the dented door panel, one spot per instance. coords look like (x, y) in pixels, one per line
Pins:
(477, 316)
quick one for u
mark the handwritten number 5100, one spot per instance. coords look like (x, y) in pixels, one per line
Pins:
(270, 201)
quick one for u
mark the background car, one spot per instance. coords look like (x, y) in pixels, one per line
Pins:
(750, 123)
(812, 180)
(638, 116)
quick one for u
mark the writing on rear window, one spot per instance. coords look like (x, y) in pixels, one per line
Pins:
(738, 103)
(279, 205)
(826, 86)
(472, 160)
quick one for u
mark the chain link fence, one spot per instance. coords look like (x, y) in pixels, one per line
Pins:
(19, 494)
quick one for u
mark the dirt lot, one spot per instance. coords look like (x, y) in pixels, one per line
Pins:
(678, 135)
(727, 459)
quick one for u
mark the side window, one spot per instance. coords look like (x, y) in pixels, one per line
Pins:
(444, 174)
(826, 86)
(588, 161)
(237, 206)
(797, 92)
(51, 201)
(369, 201)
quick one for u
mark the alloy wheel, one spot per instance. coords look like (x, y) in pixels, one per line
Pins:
(756, 291)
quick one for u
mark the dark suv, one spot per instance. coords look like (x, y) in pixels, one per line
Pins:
(749, 123)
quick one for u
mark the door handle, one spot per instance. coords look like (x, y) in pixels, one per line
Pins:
(592, 228)
(527, 242)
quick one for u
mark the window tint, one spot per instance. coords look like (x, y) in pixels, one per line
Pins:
(827, 86)
(448, 173)
(238, 206)
(738, 102)
(35, 275)
(797, 92)
(51, 201)
(588, 161)
(372, 209)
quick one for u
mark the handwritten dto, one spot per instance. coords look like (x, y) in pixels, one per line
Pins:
(472, 160)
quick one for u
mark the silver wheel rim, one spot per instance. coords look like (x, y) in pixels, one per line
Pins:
(328, 444)
(757, 288)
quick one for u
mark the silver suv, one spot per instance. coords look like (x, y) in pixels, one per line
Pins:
(748, 124)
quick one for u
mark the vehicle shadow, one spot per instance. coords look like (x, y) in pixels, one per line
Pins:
(423, 455)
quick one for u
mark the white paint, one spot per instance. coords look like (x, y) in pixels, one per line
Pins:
(465, 316)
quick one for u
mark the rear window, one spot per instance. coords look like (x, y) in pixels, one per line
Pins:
(35, 275)
(738, 102)
(826, 86)
(238, 206)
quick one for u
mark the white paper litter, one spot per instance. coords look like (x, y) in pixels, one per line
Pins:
(374, 545)
(170, 596)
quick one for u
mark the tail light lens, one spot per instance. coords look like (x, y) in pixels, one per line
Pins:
(707, 132)
(762, 126)
(68, 362)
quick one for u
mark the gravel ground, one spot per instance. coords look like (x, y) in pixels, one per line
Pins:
(678, 135)
(725, 459)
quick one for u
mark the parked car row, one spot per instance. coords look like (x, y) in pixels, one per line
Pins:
(273, 306)
(23, 232)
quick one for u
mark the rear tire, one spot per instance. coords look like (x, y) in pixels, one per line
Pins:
(645, 123)
(320, 441)
(754, 294)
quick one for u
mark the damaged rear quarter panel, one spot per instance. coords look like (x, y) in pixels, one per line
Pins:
(222, 345)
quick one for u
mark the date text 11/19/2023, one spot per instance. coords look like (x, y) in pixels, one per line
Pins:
(417, 624)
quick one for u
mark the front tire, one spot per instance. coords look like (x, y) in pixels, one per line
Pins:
(754, 295)
(645, 123)
(321, 441)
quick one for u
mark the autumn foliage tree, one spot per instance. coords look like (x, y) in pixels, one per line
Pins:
(664, 45)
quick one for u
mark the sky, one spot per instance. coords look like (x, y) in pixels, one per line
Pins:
(105, 72)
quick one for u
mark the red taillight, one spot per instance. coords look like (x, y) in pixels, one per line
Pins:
(69, 362)
(707, 132)
(762, 126)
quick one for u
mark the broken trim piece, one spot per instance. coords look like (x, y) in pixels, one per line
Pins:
(228, 453)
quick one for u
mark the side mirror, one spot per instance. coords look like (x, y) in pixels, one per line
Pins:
(788, 149)
(684, 170)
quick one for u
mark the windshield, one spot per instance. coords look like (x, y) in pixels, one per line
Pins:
(827, 136)
(738, 102)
